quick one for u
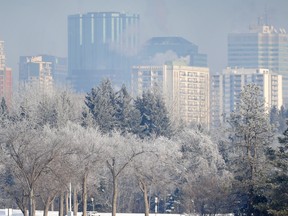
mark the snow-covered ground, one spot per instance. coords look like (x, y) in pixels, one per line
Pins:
(16, 212)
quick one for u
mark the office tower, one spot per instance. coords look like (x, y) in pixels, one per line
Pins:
(5, 77)
(262, 47)
(158, 50)
(226, 88)
(185, 89)
(33, 69)
(101, 44)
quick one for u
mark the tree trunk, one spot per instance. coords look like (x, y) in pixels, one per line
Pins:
(61, 203)
(75, 202)
(25, 211)
(143, 188)
(250, 191)
(250, 200)
(146, 202)
(46, 206)
(84, 192)
(114, 199)
(31, 197)
(66, 203)
(22, 204)
(52, 204)
(34, 206)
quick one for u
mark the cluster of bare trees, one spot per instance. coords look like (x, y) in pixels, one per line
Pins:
(48, 141)
(118, 157)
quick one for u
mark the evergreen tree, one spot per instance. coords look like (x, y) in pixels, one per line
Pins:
(282, 116)
(111, 110)
(250, 135)
(274, 116)
(101, 104)
(47, 113)
(3, 108)
(155, 119)
(3, 111)
(126, 116)
(279, 191)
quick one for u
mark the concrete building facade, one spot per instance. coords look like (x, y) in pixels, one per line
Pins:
(226, 88)
(185, 89)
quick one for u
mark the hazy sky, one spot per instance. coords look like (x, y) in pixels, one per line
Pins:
(31, 27)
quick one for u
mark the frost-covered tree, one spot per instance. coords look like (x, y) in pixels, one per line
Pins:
(155, 119)
(155, 170)
(28, 154)
(120, 152)
(278, 179)
(282, 118)
(4, 113)
(87, 153)
(111, 110)
(3, 107)
(32, 114)
(250, 136)
(203, 169)
(127, 117)
(278, 118)
(101, 104)
(54, 107)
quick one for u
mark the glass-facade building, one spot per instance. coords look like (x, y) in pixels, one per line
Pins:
(101, 44)
(262, 47)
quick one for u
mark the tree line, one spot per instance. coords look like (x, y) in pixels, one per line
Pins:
(118, 153)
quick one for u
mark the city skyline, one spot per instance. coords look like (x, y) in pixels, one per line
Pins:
(208, 23)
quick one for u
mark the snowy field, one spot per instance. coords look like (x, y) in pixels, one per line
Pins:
(15, 212)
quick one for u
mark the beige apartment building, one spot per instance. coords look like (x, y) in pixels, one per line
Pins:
(185, 89)
(226, 88)
(33, 69)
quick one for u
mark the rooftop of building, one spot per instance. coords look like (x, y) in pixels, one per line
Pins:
(236, 70)
(169, 41)
(106, 14)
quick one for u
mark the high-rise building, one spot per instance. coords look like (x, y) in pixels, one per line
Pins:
(59, 68)
(262, 47)
(226, 88)
(33, 69)
(101, 44)
(5, 77)
(2, 55)
(158, 50)
(185, 89)
(55, 68)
